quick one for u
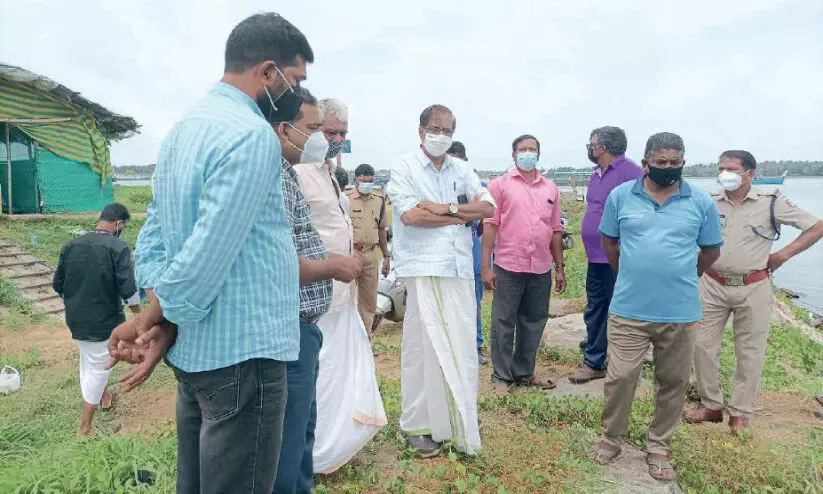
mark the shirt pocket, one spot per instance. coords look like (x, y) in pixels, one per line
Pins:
(546, 206)
(758, 222)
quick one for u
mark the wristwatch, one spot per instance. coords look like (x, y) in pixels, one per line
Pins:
(453, 209)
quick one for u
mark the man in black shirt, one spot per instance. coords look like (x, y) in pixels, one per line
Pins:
(94, 277)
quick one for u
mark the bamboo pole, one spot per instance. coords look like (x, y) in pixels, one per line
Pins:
(24, 121)
(8, 165)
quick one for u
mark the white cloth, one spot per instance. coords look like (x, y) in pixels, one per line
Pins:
(438, 380)
(93, 376)
(349, 408)
(444, 251)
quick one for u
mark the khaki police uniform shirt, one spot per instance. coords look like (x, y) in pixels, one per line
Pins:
(365, 216)
(743, 251)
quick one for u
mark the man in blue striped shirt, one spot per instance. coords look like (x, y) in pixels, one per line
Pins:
(217, 251)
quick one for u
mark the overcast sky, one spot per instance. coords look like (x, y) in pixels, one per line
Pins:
(721, 73)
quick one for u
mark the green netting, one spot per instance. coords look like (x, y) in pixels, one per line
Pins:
(70, 187)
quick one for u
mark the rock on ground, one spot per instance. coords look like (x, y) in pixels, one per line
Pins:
(629, 474)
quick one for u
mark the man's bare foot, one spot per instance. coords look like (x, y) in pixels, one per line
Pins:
(85, 432)
(108, 399)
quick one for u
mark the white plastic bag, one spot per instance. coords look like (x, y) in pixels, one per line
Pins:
(9, 379)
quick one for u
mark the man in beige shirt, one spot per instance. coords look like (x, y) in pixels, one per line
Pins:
(367, 209)
(739, 284)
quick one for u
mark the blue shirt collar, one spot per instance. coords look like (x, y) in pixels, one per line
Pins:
(236, 95)
(683, 191)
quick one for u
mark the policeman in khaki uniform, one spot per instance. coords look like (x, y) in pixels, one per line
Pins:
(739, 284)
(367, 209)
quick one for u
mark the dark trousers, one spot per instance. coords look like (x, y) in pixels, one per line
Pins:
(519, 313)
(600, 279)
(229, 427)
(478, 293)
(295, 471)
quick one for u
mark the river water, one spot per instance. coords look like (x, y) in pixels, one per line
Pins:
(801, 274)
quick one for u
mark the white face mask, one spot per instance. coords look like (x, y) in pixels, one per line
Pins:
(729, 181)
(437, 144)
(365, 188)
(527, 161)
(315, 149)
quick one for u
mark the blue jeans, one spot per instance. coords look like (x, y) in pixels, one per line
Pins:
(600, 279)
(478, 292)
(295, 469)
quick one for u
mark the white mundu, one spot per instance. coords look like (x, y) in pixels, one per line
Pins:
(438, 352)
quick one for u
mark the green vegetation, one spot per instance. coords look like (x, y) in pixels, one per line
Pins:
(14, 309)
(764, 169)
(575, 258)
(531, 442)
(136, 198)
(53, 232)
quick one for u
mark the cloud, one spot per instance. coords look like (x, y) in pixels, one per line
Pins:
(723, 74)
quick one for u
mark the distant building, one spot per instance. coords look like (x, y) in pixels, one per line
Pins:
(57, 144)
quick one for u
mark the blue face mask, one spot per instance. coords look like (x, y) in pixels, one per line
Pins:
(526, 161)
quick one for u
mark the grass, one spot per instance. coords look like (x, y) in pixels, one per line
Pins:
(15, 311)
(575, 258)
(532, 443)
(52, 233)
(136, 199)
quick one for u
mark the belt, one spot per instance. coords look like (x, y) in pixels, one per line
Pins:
(364, 247)
(310, 319)
(737, 279)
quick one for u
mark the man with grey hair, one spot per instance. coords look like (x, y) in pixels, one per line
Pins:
(349, 408)
(606, 149)
(651, 230)
(335, 127)
(434, 197)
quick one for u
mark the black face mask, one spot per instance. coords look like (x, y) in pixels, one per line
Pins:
(664, 177)
(591, 156)
(334, 149)
(285, 108)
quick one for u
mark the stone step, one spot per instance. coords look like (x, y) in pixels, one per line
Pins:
(28, 270)
(35, 281)
(39, 294)
(51, 306)
(22, 260)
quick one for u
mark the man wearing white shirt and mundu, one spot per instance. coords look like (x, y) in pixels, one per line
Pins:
(433, 197)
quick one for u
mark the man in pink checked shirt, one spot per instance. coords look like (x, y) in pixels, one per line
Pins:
(525, 235)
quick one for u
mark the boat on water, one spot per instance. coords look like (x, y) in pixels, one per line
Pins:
(771, 180)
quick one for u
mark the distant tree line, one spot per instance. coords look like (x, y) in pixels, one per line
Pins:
(764, 169)
(134, 170)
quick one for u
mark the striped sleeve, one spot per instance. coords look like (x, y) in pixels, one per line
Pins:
(230, 202)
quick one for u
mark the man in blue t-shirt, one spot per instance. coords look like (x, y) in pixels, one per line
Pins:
(652, 229)
(458, 150)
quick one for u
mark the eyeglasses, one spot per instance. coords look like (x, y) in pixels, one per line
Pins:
(593, 146)
(333, 133)
(439, 131)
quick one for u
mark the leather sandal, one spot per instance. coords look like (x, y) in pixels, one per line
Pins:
(657, 467)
